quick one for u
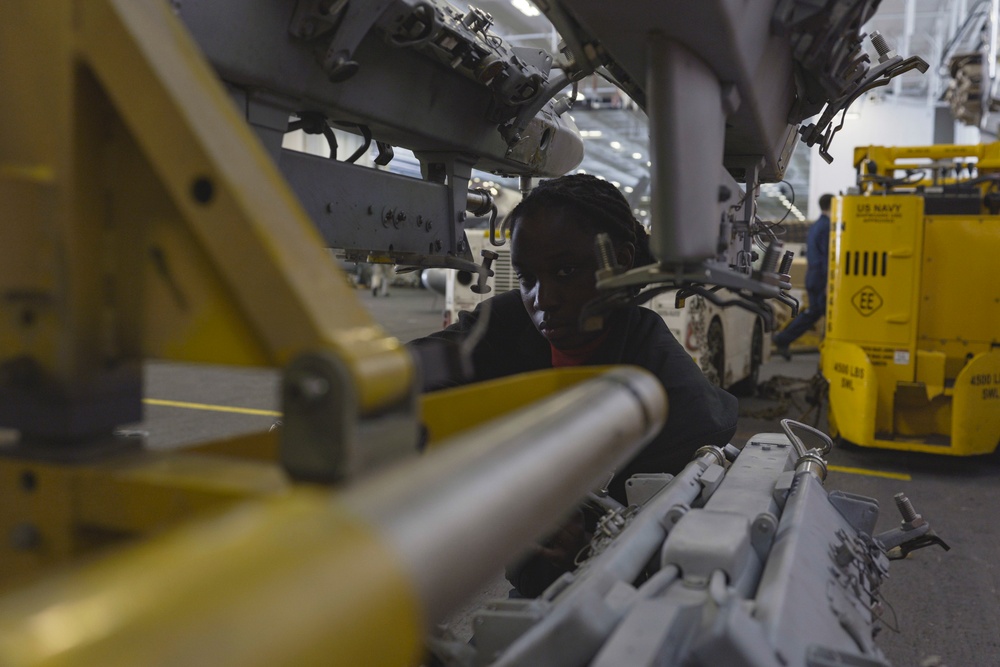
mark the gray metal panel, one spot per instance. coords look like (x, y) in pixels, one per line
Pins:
(403, 97)
(357, 208)
(807, 603)
(808, 598)
(732, 37)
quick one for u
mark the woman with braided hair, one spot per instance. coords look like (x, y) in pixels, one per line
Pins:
(537, 326)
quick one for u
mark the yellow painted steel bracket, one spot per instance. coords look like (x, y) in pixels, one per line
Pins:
(58, 513)
(149, 222)
(237, 206)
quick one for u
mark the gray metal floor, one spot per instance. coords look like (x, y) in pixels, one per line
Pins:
(945, 604)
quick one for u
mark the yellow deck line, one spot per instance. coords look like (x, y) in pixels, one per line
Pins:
(212, 408)
(275, 413)
(871, 473)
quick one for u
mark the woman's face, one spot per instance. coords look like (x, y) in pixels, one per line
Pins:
(553, 257)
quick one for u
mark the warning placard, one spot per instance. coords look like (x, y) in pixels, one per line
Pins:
(866, 300)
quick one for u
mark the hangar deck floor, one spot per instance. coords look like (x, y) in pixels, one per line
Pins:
(946, 604)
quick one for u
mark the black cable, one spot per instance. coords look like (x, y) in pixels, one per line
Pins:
(366, 134)
(960, 32)
(769, 227)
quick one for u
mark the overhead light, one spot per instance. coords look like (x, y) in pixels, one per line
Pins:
(629, 189)
(590, 134)
(648, 163)
(581, 171)
(580, 96)
(616, 184)
(526, 7)
(637, 156)
(616, 145)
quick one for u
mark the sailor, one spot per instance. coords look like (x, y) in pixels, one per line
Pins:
(537, 326)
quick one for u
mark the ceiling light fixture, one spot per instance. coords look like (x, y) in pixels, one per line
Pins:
(525, 7)
(616, 145)
(637, 156)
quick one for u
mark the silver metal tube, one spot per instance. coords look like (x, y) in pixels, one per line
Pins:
(471, 506)
(687, 129)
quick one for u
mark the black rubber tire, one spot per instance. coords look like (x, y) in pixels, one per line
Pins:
(748, 385)
(716, 344)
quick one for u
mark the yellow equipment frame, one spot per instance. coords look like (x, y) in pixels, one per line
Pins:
(143, 219)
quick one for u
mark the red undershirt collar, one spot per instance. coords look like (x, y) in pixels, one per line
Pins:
(579, 355)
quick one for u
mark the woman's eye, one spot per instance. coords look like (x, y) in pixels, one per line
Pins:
(524, 279)
(565, 271)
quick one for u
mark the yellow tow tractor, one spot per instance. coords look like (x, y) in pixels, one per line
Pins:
(912, 350)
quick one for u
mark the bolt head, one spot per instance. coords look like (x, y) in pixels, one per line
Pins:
(310, 388)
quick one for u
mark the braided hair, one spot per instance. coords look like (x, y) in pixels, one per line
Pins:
(596, 203)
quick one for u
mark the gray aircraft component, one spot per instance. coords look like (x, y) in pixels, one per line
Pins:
(414, 74)
(743, 559)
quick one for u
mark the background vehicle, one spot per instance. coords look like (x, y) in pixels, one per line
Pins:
(728, 344)
(912, 352)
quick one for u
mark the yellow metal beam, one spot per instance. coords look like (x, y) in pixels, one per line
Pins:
(446, 413)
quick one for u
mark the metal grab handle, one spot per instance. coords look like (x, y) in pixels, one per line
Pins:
(481, 286)
(800, 448)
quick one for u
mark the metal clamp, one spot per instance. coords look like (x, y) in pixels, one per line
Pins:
(484, 273)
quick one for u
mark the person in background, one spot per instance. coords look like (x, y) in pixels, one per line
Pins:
(381, 275)
(817, 261)
(537, 326)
